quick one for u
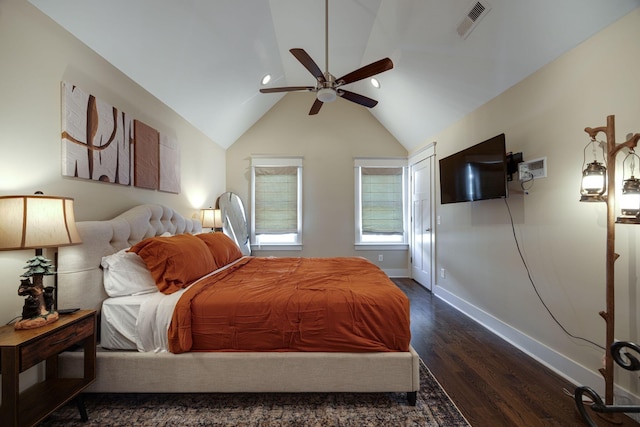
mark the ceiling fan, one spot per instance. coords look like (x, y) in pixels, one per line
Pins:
(327, 87)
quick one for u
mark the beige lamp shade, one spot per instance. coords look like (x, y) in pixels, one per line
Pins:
(211, 218)
(37, 221)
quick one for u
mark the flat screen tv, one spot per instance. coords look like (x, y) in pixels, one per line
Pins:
(475, 173)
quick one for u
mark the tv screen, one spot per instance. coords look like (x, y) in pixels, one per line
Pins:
(476, 173)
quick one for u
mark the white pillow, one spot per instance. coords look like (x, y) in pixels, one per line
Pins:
(125, 273)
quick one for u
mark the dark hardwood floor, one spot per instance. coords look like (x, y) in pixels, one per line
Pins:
(492, 382)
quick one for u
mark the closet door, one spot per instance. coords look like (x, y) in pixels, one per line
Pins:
(421, 213)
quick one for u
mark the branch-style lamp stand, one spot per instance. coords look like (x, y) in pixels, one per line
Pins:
(613, 349)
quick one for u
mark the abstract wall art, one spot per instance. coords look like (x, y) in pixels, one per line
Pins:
(102, 143)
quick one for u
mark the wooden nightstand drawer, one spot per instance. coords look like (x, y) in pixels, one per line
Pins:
(52, 344)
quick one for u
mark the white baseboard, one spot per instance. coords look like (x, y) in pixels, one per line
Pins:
(563, 366)
(396, 272)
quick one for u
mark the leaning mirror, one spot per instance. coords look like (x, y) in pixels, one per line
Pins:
(234, 220)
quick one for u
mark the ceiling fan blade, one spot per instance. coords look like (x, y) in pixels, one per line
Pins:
(357, 98)
(366, 71)
(315, 108)
(286, 89)
(304, 58)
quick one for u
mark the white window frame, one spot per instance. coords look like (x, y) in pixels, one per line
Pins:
(383, 242)
(289, 241)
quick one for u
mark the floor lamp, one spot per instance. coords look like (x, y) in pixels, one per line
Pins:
(597, 180)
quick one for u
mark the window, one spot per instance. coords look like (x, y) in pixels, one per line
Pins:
(380, 201)
(276, 202)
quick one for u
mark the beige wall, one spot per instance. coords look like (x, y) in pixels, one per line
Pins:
(328, 142)
(562, 240)
(37, 55)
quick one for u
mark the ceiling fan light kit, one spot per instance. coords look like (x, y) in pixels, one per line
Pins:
(327, 86)
(326, 95)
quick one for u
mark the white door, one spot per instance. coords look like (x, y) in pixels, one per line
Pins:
(422, 241)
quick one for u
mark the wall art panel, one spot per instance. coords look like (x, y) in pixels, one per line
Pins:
(146, 156)
(169, 165)
(96, 138)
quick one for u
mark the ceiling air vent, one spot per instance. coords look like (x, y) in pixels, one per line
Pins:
(469, 22)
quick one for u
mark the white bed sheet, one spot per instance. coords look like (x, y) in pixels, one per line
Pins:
(137, 322)
(154, 318)
(118, 320)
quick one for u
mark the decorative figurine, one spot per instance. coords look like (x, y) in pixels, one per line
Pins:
(38, 307)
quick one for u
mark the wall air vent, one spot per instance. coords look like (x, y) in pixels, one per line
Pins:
(475, 14)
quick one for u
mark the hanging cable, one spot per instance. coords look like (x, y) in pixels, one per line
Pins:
(533, 284)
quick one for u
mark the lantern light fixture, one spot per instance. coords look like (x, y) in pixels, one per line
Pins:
(630, 198)
(594, 178)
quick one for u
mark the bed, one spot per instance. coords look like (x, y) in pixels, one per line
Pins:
(125, 369)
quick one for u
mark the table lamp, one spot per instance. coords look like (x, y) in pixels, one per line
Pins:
(211, 218)
(37, 222)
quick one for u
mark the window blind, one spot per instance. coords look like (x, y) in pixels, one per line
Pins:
(276, 199)
(381, 200)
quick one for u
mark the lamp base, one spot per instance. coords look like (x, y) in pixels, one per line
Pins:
(628, 220)
(38, 309)
(593, 198)
(38, 321)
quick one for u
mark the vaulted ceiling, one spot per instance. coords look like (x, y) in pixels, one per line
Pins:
(205, 58)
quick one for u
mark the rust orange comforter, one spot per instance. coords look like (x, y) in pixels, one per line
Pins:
(293, 304)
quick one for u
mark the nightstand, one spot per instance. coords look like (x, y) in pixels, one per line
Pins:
(22, 349)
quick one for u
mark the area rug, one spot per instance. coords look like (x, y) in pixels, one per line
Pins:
(433, 408)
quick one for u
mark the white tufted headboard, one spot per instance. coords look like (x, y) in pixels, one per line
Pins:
(79, 272)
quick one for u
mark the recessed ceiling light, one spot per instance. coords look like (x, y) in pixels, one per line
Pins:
(375, 83)
(266, 79)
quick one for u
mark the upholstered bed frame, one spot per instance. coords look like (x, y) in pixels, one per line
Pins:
(80, 285)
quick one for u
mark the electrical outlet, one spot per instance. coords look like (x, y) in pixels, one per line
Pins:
(380, 258)
(533, 169)
(523, 172)
(443, 273)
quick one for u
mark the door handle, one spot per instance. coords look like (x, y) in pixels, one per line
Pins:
(428, 230)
